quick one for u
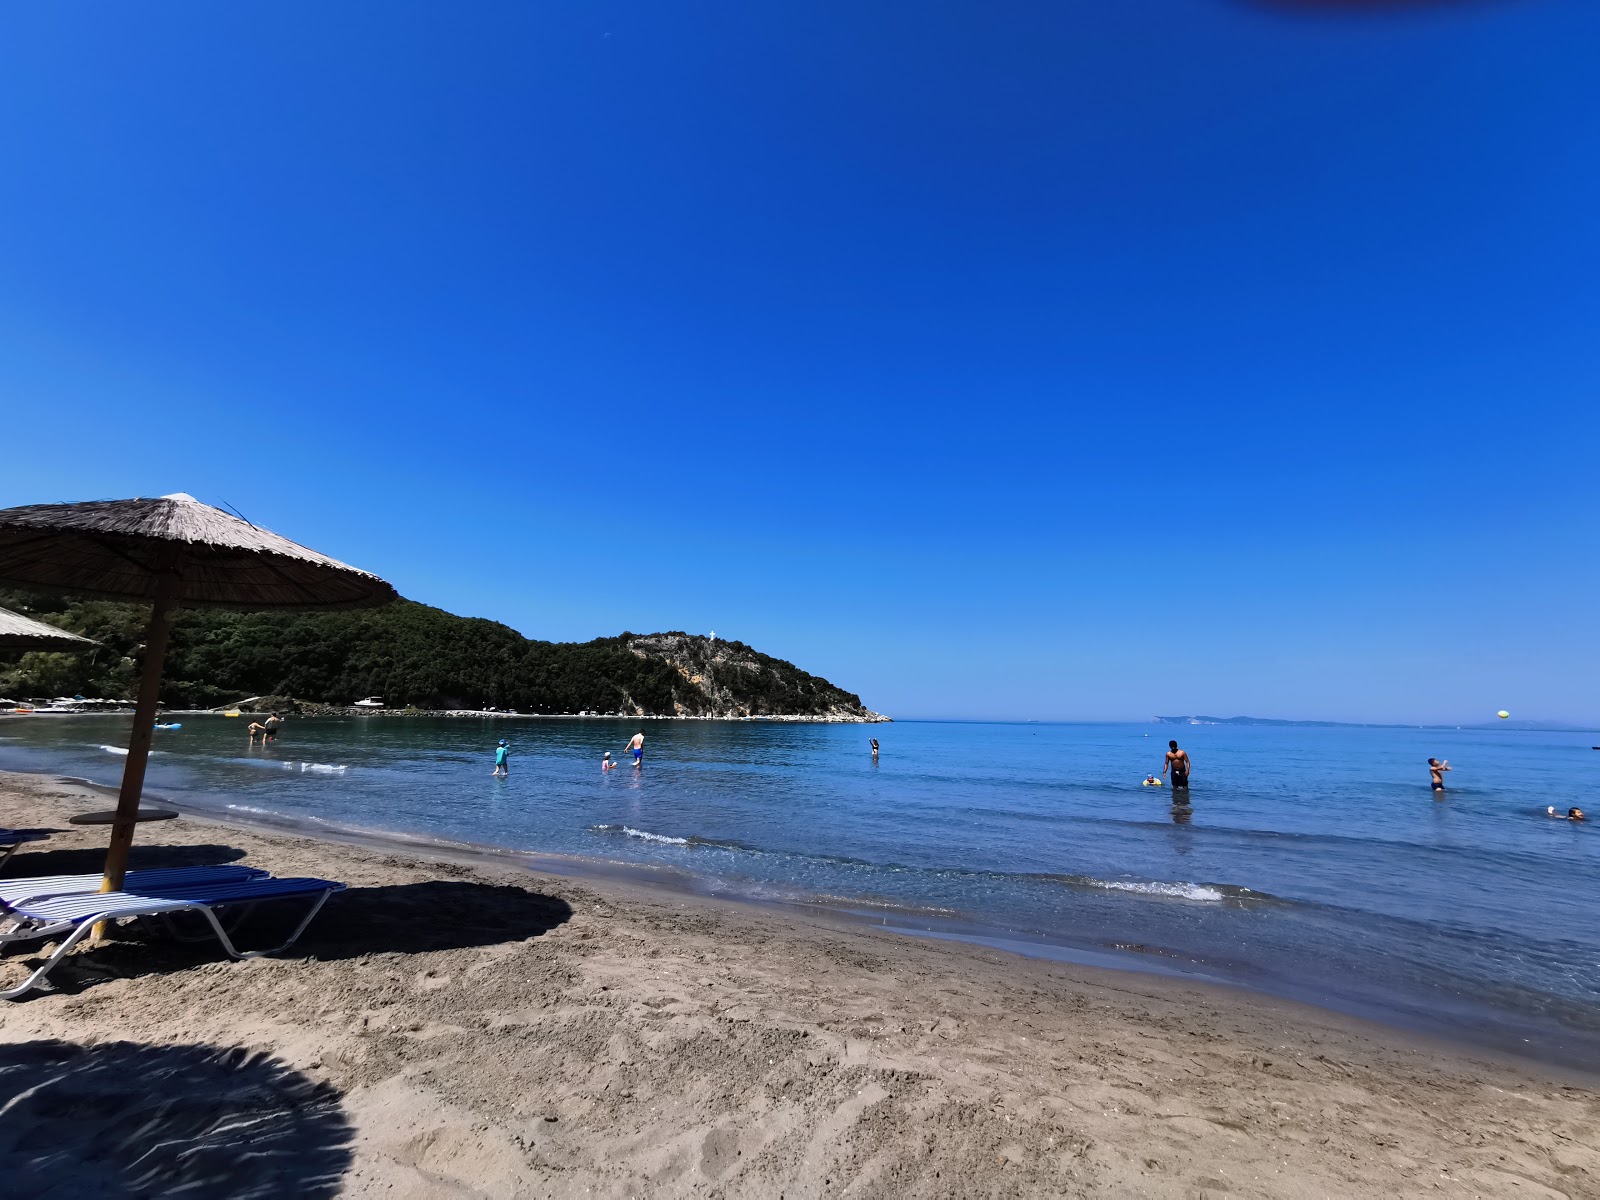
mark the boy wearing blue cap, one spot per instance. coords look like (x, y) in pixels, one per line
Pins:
(502, 752)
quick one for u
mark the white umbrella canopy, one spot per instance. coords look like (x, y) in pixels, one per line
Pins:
(18, 632)
(169, 551)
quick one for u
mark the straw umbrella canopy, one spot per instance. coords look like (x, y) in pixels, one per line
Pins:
(169, 551)
(18, 632)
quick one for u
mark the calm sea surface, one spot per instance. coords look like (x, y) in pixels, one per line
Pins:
(1313, 863)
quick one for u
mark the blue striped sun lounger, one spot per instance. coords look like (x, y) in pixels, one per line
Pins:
(38, 887)
(12, 839)
(76, 915)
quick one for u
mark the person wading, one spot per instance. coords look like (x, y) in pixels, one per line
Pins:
(1178, 764)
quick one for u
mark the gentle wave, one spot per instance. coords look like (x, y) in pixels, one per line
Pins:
(301, 767)
(643, 835)
(666, 839)
(1200, 893)
(1204, 893)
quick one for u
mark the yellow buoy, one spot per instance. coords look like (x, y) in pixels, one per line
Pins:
(1502, 714)
(232, 712)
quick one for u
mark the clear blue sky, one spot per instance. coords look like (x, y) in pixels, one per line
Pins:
(1061, 359)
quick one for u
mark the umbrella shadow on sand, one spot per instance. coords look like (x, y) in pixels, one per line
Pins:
(437, 914)
(127, 1119)
(31, 862)
(407, 918)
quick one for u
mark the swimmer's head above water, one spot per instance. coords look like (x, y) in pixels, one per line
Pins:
(1572, 814)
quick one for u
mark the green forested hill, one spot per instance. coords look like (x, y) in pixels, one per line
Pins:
(411, 654)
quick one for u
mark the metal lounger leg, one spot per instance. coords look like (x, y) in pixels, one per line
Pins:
(232, 925)
(235, 952)
(7, 852)
(82, 931)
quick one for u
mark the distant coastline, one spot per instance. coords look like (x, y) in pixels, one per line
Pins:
(1522, 726)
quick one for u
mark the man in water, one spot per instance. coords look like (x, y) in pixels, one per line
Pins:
(502, 755)
(269, 731)
(1178, 764)
(1436, 769)
(1573, 814)
(636, 744)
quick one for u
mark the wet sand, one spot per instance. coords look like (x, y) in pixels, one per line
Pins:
(452, 1028)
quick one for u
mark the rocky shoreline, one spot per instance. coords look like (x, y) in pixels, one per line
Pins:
(303, 708)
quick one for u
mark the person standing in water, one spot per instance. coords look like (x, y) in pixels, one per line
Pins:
(1436, 769)
(605, 761)
(1178, 764)
(268, 731)
(636, 744)
(874, 742)
(502, 755)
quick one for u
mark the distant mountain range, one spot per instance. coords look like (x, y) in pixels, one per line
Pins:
(1526, 726)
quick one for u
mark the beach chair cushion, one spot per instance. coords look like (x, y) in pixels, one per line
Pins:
(37, 887)
(154, 899)
(76, 914)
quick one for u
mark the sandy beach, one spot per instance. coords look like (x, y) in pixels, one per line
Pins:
(450, 1028)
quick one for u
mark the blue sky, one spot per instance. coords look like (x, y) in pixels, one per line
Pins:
(1059, 359)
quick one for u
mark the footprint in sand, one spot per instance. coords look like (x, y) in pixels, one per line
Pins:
(719, 1151)
(432, 981)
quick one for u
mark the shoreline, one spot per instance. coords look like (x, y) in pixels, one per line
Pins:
(493, 1029)
(855, 911)
(340, 711)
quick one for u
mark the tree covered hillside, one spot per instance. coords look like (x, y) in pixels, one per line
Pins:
(413, 655)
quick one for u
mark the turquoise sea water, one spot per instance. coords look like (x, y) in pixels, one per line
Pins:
(1312, 862)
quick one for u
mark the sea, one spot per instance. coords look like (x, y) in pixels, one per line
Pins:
(1313, 863)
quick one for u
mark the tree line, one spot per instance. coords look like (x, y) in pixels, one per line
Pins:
(408, 653)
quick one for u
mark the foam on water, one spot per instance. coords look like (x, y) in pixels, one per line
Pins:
(1177, 891)
(123, 750)
(642, 835)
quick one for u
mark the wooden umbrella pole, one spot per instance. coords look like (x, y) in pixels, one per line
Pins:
(144, 726)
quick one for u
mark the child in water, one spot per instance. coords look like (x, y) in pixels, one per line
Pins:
(502, 752)
(605, 762)
(1436, 770)
(1151, 781)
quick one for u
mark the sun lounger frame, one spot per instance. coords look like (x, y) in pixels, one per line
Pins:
(114, 906)
(12, 840)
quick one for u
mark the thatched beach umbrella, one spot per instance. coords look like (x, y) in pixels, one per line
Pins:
(169, 551)
(18, 632)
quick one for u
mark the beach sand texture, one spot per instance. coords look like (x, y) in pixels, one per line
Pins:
(452, 1029)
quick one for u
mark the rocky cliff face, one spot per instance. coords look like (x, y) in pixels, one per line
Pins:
(729, 679)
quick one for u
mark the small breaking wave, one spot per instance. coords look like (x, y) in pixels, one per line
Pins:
(643, 835)
(123, 750)
(661, 838)
(1199, 893)
(1178, 891)
(298, 767)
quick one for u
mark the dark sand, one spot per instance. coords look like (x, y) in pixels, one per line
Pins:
(450, 1029)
